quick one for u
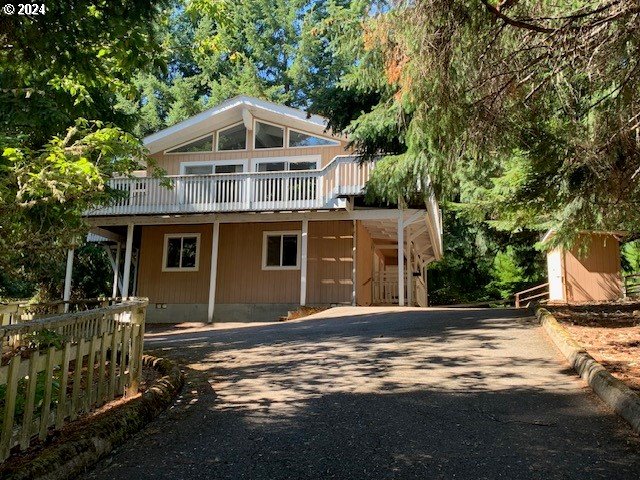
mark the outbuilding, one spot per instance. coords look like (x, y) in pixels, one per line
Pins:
(588, 272)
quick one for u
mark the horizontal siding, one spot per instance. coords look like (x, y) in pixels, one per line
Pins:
(330, 262)
(171, 162)
(173, 287)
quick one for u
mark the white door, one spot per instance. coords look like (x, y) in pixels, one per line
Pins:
(554, 273)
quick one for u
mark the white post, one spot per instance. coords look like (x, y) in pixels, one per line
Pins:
(303, 262)
(116, 271)
(353, 272)
(400, 259)
(67, 279)
(409, 273)
(213, 271)
(127, 261)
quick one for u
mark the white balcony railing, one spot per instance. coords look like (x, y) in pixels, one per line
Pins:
(235, 192)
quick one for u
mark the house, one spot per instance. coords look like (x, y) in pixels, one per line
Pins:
(260, 211)
(588, 272)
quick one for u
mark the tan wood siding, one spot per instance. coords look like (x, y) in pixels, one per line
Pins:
(240, 275)
(596, 275)
(330, 262)
(173, 287)
(171, 162)
(364, 265)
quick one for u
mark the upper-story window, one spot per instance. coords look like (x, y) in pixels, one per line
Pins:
(204, 144)
(233, 138)
(300, 139)
(268, 136)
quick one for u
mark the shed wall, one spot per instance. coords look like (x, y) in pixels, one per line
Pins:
(594, 276)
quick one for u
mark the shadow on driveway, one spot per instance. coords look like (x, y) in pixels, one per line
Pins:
(377, 393)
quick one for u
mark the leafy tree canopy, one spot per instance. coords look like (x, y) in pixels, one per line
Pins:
(526, 112)
(61, 134)
(279, 50)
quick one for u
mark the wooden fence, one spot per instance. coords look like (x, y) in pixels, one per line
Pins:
(55, 368)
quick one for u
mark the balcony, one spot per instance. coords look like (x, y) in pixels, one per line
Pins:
(240, 192)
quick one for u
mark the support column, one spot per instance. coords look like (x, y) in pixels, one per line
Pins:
(127, 261)
(67, 279)
(303, 262)
(215, 240)
(409, 273)
(354, 272)
(400, 259)
(116, 271)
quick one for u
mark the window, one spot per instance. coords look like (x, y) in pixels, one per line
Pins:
(299, 139)
(233, 138)
(198, 169)
(204, 144)
(268, 136)
(211, 167)
(181, 252)
(280, 251)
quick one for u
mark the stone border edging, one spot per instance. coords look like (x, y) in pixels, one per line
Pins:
(615, 393)
(84, 447)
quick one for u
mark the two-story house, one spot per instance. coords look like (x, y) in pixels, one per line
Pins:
(261, 211)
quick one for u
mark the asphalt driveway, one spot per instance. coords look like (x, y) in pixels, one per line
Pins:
(357, 393)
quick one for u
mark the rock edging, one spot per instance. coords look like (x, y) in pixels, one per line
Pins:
(615, 393)
(83, 448)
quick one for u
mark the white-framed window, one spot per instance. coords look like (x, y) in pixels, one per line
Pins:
(232, 138)
(213, 166)
(281, 164)
(199, 145)
(281, 250)
(181, 252)
(267, 135)
(301, 139)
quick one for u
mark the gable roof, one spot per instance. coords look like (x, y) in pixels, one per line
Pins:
(233, 110)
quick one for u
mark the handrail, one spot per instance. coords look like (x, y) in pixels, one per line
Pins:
(243, 191)
(68, 318)
(518, 296)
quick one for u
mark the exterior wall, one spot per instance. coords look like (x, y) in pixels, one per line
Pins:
(596, 275)
(243, 288)
(170, 162)
(330, 262)
(240, 275)
(173, 287)
(364, 265)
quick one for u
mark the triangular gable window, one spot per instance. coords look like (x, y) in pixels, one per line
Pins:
(204, 144)
(299, 139)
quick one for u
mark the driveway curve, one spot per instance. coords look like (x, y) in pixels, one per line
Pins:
(376, 393)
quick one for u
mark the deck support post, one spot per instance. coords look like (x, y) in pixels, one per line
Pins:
(116, 270)
(304, 249)
(215, 240)
(400, 259)
(67, 279)
(409, 272)
(128, 251)
(353, 271)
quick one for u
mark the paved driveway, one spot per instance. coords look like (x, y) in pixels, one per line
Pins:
(381, 394)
